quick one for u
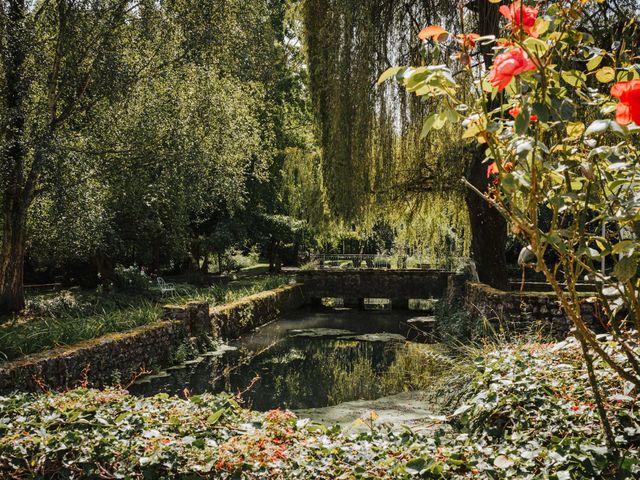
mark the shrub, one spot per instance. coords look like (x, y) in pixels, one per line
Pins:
(312, 265)
(556, 117)
(234, 260)
(131, 279)
(455, 323)
(62, 303)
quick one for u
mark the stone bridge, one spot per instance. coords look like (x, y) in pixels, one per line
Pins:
(399, 286)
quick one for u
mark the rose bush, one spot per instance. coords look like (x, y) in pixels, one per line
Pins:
(563, 172)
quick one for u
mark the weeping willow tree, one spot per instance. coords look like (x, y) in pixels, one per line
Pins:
(364, 130)
(375, 164)
(425, 198)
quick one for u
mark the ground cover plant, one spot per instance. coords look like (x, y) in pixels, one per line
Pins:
(68, 317)
(527, 413)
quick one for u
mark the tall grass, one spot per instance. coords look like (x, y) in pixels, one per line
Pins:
(221, 294)
(50, 332)
(66, 318)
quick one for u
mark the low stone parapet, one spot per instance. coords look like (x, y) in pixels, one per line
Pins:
(118, 356)
(234, 319)
(194, 316)
(378, 283)
(524, 310)
(99, 361)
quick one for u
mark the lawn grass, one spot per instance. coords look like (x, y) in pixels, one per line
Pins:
(71, 316)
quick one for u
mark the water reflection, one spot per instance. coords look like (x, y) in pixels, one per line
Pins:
(310, 359)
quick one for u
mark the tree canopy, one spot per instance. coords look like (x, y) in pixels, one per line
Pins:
(133, 129)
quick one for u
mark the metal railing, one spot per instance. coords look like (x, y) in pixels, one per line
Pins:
(386, 261)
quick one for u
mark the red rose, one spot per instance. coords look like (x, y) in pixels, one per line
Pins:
(518, 15)
(508, 65)
(629, 107)
(515, 111)
(492, 170)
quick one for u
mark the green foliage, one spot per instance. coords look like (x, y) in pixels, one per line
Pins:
(552, 145)
(455, 323)
(70, 325)
(185, 351)
(115, 420)
(312, 265)
(417, 367)
(525, 396)
(527, 413)
(153, 133)
(221, 294)
(372, 163)
(234, 260)
(55, 305)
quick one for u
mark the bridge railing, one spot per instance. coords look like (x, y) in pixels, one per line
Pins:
(386, 262)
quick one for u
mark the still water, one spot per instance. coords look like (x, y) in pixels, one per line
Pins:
(306, 360)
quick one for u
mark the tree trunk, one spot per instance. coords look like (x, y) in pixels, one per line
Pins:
(488, 227)
(204, 268)
(272, 255)
(106, 269)
(194, 265)
(155, 262)
(17, 191)
(12, 260)
(278, 258)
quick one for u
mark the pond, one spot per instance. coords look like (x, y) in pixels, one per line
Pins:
(309, 359)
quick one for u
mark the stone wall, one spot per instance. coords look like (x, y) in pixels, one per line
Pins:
(103, 358)
(124, 354)
(524, 310)
(194, 316)
(239, 317)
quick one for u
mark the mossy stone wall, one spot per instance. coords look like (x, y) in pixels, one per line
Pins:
(525, 310)
(240, 317)
(117, 357)
(100, 361)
